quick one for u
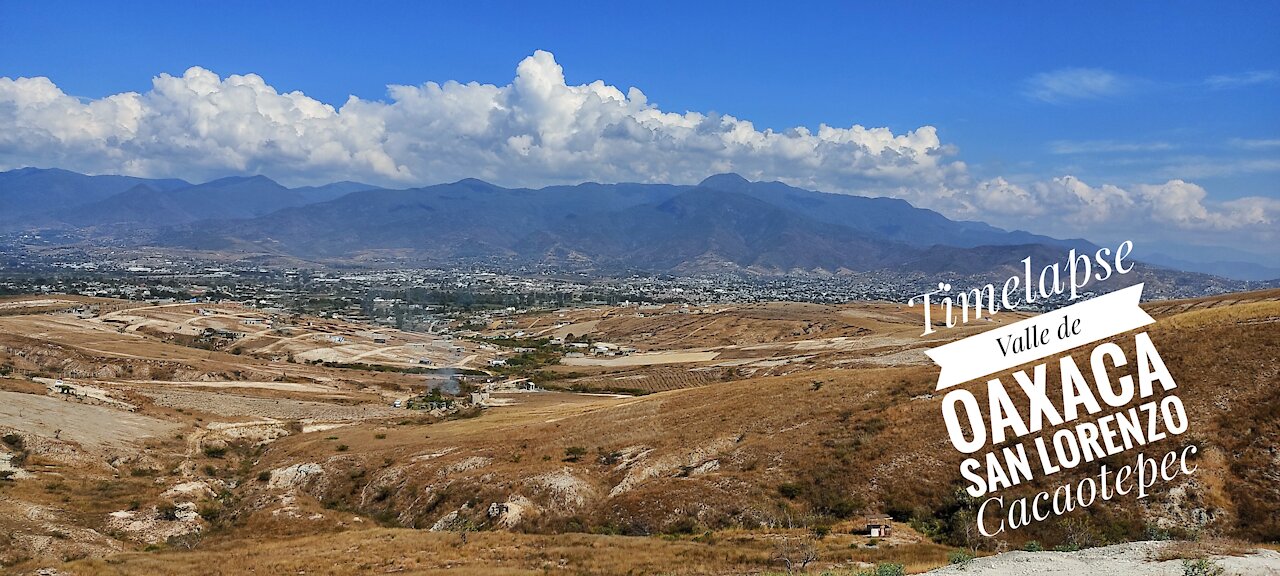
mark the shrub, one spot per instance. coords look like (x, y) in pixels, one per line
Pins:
(184, 541)
(789, 490)
(885, 569)
(1201, 567)
(210, 511)
(959, 557)
(264, 476)
(13, 440)
(167, 511)
(380, 436)
(1153, 532)
(574, 453)
(685, 525)
(215, 451)
(342, 447)
(1033, 546)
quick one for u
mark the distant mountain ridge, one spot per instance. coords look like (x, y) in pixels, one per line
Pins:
(724, 223)
(225, 198)
(886, 217)
(30, 191)
(36, 197)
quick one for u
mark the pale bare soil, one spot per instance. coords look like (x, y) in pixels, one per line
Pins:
(230, 404)
(1131, 559)
(649, 359)
(89, 425)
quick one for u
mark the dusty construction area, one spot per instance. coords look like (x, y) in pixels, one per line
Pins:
(284, 336)
(657, 348)
(169, 458)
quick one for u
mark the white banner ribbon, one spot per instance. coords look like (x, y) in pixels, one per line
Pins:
(1035, 338)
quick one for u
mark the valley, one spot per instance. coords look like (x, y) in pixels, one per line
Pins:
(684, 439)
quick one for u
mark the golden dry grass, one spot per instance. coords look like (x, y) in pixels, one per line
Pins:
(1236, 314)
(383, 550)
(1193, 549)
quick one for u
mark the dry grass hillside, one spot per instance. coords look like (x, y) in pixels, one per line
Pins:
(803, 420)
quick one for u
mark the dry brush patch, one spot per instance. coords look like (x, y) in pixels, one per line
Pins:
(481, 553)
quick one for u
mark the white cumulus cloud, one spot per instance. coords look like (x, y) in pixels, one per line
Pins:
(1067, 205)
(536, 130)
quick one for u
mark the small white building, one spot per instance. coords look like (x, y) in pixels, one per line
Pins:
(880, 526)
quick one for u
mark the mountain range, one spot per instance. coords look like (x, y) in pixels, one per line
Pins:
(724, 223)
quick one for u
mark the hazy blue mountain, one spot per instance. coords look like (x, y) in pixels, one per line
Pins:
(29, 191)
(225, 198)
(465, 219)
(706, 228)
(52, 197)
(887, 218)
(328, 192)
(723, 223)
(1225, 268)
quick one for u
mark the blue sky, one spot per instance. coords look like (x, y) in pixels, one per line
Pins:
(1129, 94)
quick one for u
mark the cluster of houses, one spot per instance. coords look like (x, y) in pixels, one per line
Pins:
(211, 334)
(582, 349)
(506, 386)
(434, 401)
(422, 403)
(85, 312)
(511, 385)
